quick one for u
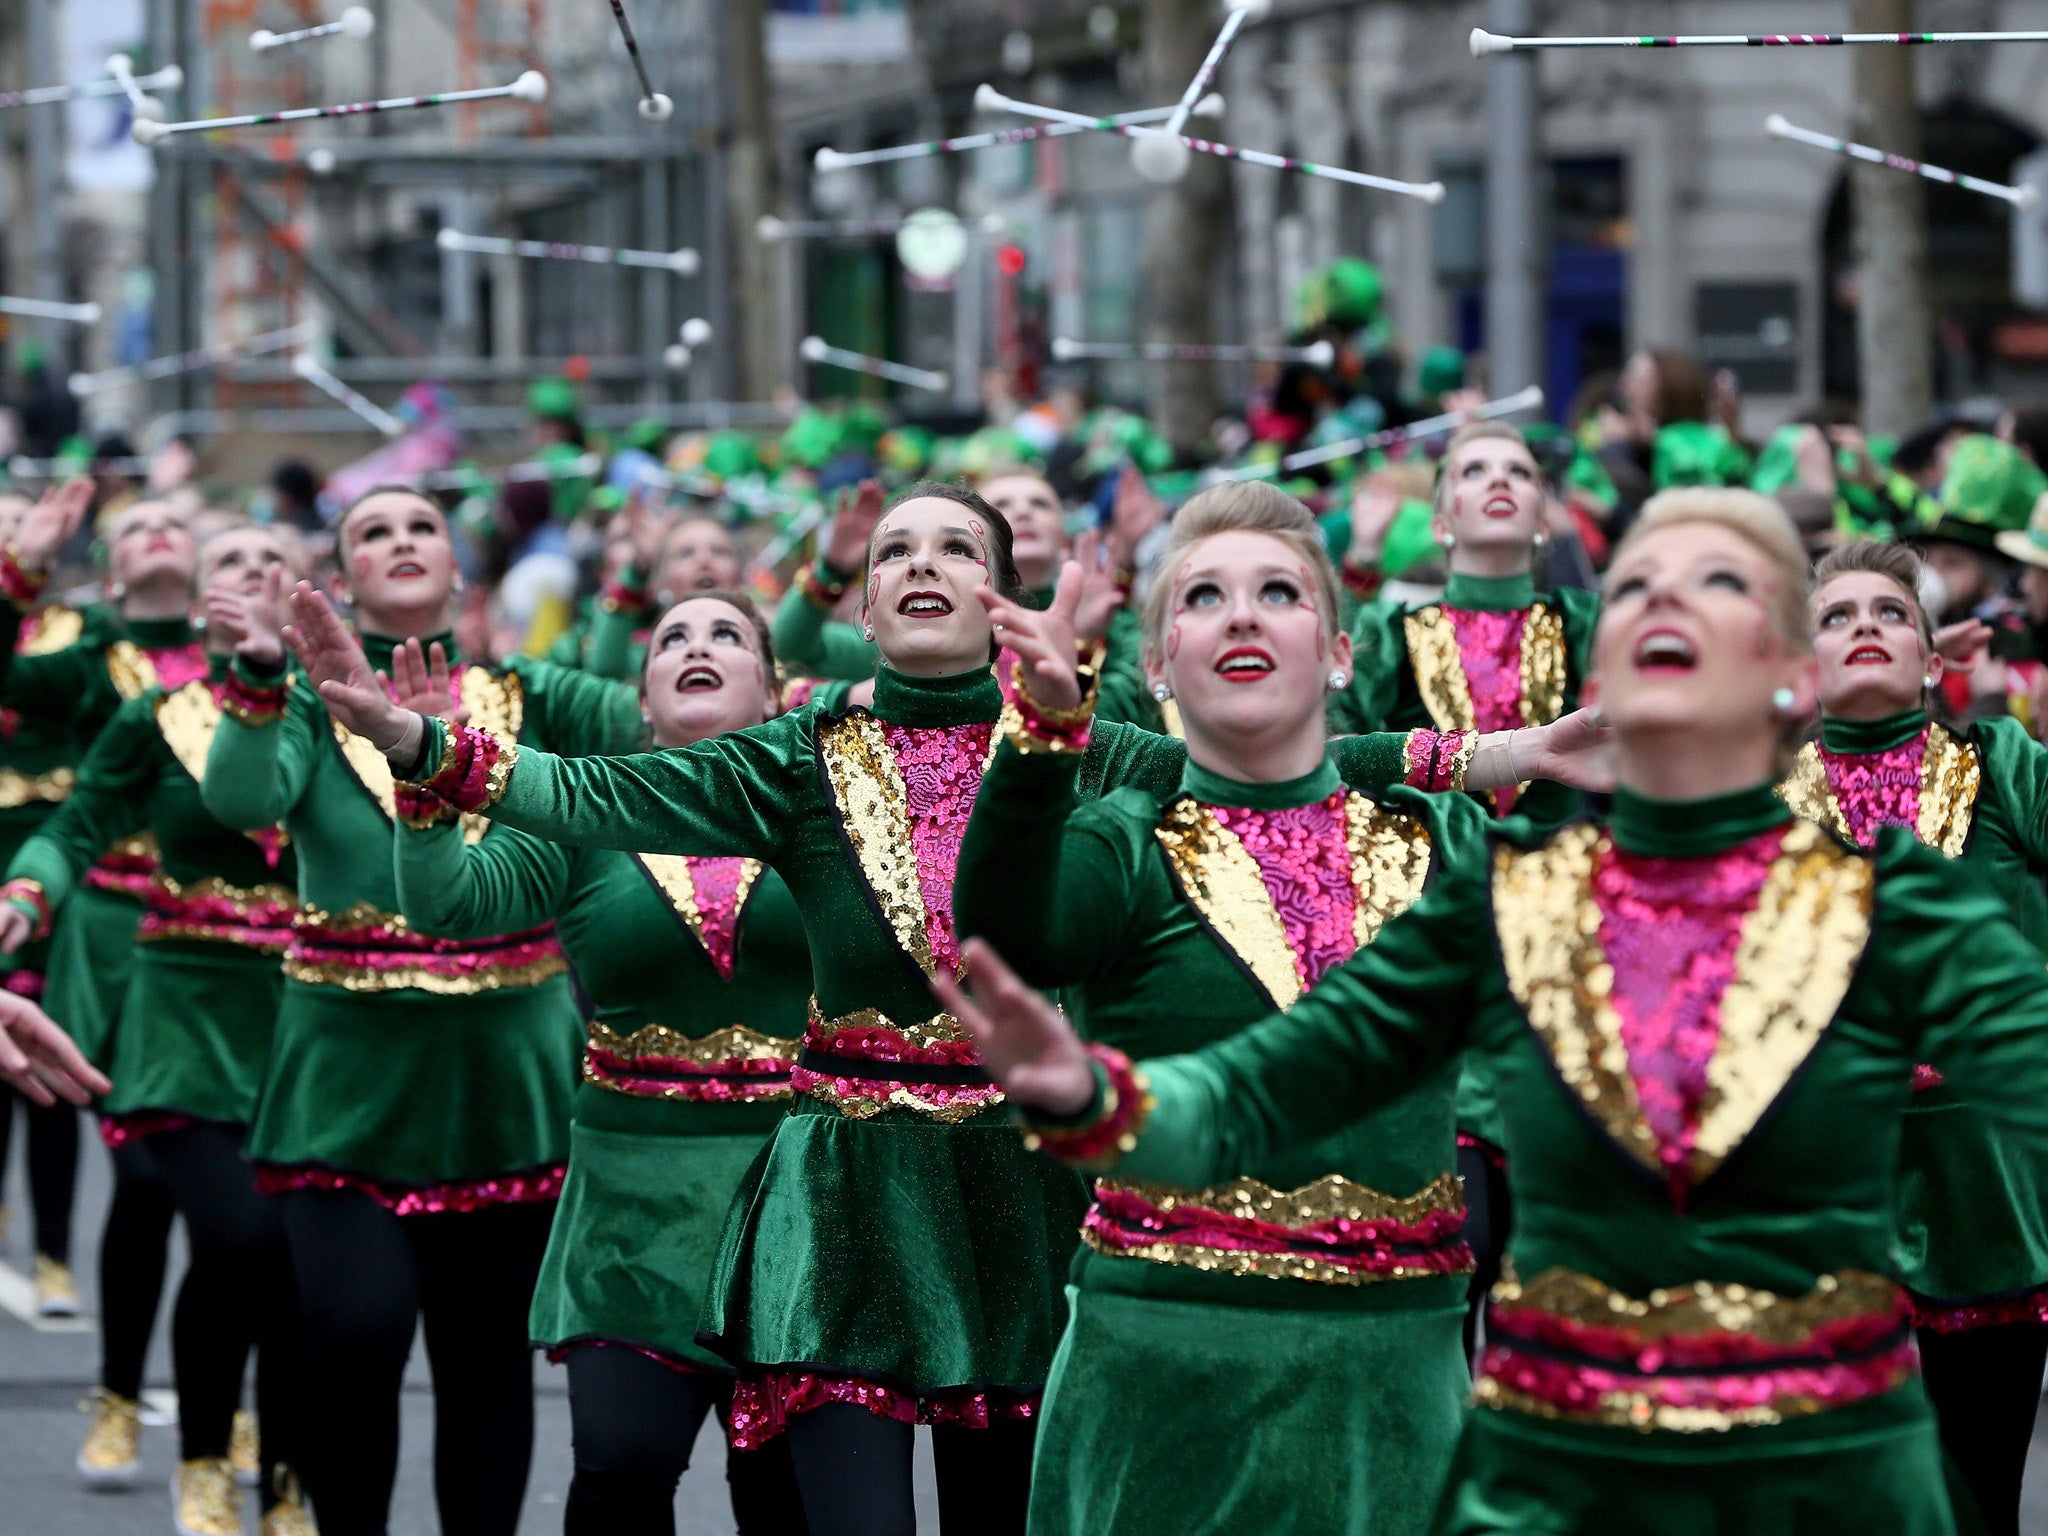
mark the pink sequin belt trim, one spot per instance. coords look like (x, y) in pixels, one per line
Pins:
(125, 875)
(739, 1079)
(224, 915)
(528, 1187)
(387, 956)
(119, 1131)
(1701, 1358)
(864, 1063)
(763, 1405)
(1997, 1312)
(1333, 1231)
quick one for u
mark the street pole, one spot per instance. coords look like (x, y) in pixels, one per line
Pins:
(1517, 254)
(1894, 316)
(46, 247)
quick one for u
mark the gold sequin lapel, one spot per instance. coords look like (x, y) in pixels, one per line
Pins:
(1951, 774)
(1221, 881)
(669, 873)
(134, 674)
(874, 810)
(188, 718)
(1440, 669)
(52, 629)
(1793, 962)
(495, 702)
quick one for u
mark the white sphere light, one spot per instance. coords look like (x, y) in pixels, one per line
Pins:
(170, 77)
(531, 86)
(151, 108)
(1210, 105)
(696, 331)
(358, 22)
(675, 357)
(658, 108)
(261, 39)
(827, 158)
(813, 348)
(321, 162)
(146, 131)
(686, 261)
(1160, 158)
(1320, 354)
(1062, 349)
(768, 229)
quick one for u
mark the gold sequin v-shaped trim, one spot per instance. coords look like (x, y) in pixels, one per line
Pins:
(670, 875)
(1793, 962)
(1221, 880)
(1951, 774)
(52, 629)
(874, 808)
(496, 703)
(134, 674)
(1440, 668)
(188, 717)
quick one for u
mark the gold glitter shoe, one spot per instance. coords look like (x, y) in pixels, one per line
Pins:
(289, 1515)
(56, 1292)
(110, 1456)
(245, 1450)
(204, 1498)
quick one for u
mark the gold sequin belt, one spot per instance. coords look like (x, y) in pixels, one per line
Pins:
(1333, 1231)
(735, 1065)
(212, 910)
(18, 789)
(863, 1063)
(367, 950)
(1707, 1356)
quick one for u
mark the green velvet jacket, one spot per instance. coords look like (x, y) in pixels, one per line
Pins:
(1852, 967)
(202, 1000)
(1162, 941)
(404, 1062)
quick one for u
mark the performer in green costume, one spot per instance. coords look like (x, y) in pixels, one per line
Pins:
(1703, 1018)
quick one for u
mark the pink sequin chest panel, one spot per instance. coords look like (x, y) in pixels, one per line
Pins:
(1490, 650)
(1670, 928)
(717, 886)
(1877, 789)
(178, 665)
(1304, 859)
(941, 768)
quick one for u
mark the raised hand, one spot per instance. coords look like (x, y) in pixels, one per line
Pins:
(48, 525)
(252, 623)
(16, 928)
(340, 673)
(38, 1058)
(423, 684)
(1100, 594)
(1044, 642)
(1025, 1043)
(853, 526)
(1133, 513)
(646, 527)
(1577, 749)
(1374, 506)
(1960, 642)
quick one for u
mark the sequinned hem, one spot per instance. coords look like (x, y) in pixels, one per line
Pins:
(1333, 1231)
(214, 911)
(618, 597)
(733, 1065)
(364, 950)
(1964, 1316)
(29, 893)
(18, 789)
(1699, 1358)
(1126, 1106)
(252, 703)
(1926, 1076)
(530, 1187)
(1034, 729)
(119, 1131)
(16, 584)
(471, 775)
(1437, 760)
(762, 1406)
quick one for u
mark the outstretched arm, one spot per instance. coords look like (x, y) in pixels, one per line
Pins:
(264, 751)
(39, 1059)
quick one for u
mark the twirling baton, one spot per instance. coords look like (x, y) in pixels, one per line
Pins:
(195, 360)
(123, 71)
(815, 350)
(1160, 156)
(531, 86)
(49, 309)
(169, 78)
(770, 230)
(1485, 42)
(309, 370)
(684, 262)
(1430, 426)
(2019, 197)
(989, 99)
(356, 22)
(1319, 355)
(534, 469)
(833, 160)
(654, 107)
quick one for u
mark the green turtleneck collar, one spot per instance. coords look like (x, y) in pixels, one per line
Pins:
(1489, 594)
(379, 648)
(1694, 829)
(1857, 736)
(1214, 789)
(960, 699)
(159, 634)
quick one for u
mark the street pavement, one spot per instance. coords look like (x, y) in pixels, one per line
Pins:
(46, 1369)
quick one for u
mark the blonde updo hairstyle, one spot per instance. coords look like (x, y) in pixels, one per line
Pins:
(1244, 506)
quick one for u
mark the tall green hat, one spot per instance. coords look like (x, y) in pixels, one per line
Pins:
(1442, 370)
(553, 399)
(1990, 488)
(730, 452)
(1345, 293)
(1697, 453)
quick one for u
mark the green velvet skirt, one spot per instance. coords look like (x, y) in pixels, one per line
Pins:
(411, 1088)
(91, 954)
(195, 1031)
(1973, 1207)
(1169, 1417)
(1874, 1467)
(918, 1256)
(629, 1257)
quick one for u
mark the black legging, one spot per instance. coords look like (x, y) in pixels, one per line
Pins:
(241, 1273)
(52, 1167)
(1486, 1229)
(854, 1469)
(366, 1279)
(132, 1254)
(1986, 1386)
(634, 1422)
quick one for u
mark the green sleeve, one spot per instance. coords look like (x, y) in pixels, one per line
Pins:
(1121, 756)
(109, 801)
(809, 642)
(1379, 653)
(1373, 763)
(1581, 608)
(455, 889)
(256, 774)
(57, 685)
(1372, 1029)
(2017, 766)
(735, 794)
(611, 639)
(567, 649)
(1050, 894)
(578, 714)
(1945, 963)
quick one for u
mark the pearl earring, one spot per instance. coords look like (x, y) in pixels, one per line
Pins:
(1785, 702)
(868, 632)
(1161, 692)
(1927, 682)
(1446, 539)
(1539, 541)
(1337, 681)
